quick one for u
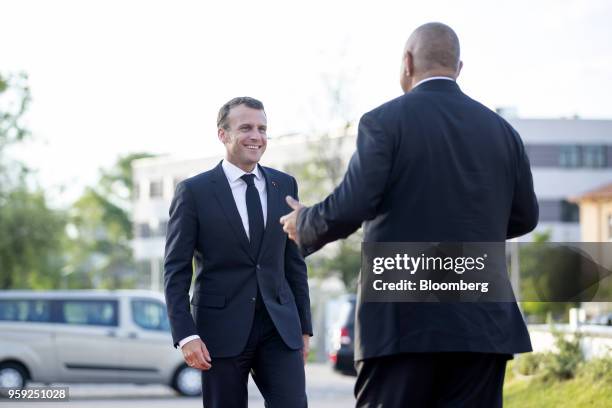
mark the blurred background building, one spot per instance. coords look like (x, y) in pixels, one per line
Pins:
(596, 214)
(596, 226)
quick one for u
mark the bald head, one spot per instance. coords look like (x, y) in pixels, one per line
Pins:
(431, 50)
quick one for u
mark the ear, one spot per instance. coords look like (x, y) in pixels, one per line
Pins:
(222, 135)
(408, 64)
(460, 66)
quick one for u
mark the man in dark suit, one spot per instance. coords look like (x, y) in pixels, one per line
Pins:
(431, 165)
(251, 305)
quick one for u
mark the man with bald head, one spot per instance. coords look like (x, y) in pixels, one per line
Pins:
(432, 165)
(431, 51)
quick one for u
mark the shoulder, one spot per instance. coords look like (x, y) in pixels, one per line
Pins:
(394, 111)
(496, 118)
(279, 176)
(198, 181)
(388, 108)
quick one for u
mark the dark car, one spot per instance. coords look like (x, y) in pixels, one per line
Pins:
(342, 350)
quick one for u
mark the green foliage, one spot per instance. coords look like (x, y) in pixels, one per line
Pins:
(538, 285)
(30, 241)
(559, 365)
(117, 183)
(590, 387)
(99, 253)
(529, 363)
(323, 168)
(317, 176)
(35, 251)
(563, 364)
(346, 262)
(15, 100)
(598, 370)
(575, 393)
(31, 233)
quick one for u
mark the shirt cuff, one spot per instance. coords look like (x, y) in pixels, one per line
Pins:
(187, 340)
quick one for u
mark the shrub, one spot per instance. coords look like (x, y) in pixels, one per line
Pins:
(563, 364)
(598, 369)
(529, 363)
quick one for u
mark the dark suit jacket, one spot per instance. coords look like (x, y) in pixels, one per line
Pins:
(205, 224)
(431, 165)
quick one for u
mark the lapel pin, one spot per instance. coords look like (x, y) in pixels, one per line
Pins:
(274, 183)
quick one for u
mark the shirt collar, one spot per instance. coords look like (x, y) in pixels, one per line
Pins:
(431, 79)
(233, 172)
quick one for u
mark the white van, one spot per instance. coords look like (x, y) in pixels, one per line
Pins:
(90, 337)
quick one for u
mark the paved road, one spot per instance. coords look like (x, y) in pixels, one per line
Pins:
(325, 388)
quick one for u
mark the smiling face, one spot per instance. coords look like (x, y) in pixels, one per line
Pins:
(244, 137)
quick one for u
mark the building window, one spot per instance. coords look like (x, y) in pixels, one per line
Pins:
(162, 229)
(136, 191)
(150, 230)
(156, 189)
(558, 211)
(142, 230)
(569, 156)
(594, 156)
(543, 155)
(569, 212)
(549, 210)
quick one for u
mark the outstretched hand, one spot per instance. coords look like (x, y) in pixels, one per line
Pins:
(289, 221)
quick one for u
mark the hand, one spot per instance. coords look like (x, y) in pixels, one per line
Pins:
(306, 349)
(289, 221)
(196, 355)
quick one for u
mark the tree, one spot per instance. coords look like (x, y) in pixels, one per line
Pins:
(99, 251)
(537, 283)
(320, 173)
(15, 100)
(323, 170)
(31, 233)
(317, 177)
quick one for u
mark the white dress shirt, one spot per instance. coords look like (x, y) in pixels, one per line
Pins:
(238, 187)
(431, 79)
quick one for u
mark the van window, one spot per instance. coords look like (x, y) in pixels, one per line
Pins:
(22, 310)
(150, 315)
(89, 312)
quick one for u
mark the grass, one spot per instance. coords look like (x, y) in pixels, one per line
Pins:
(580, 391)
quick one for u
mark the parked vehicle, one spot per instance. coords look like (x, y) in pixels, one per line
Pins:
(90, 337)
(343, 337)
(603, 319)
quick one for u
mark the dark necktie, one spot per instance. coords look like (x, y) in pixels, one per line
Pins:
(256, 220)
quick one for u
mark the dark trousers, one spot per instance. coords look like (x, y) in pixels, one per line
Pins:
(277, 371)
(424, 380)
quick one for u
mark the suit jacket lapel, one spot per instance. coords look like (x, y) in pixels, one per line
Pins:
(223, 192)
(273, 212)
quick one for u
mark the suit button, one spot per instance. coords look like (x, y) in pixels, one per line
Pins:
(258, 267)
(252, 299)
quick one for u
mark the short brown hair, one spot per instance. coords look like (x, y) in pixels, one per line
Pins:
(252, 103)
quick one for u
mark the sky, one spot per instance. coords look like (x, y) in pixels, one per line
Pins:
(113, 77)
